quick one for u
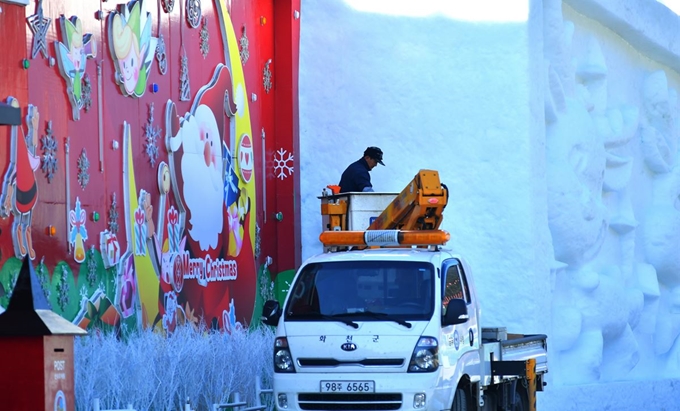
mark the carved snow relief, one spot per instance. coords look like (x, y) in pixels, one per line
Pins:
(601, 289)
(659, 131)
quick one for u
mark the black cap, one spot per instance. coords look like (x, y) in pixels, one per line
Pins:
(374, 153)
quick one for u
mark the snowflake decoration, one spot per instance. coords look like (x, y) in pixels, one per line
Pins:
(43, 278)
(63, 289)
(184, 87)
(267, 76)
(83, 293)
(160, 55)
(113, 215)
(168, 5)
(87, 92)
(39, 25)
(83, 166)
(91, 267)
(243, 47)
(266, 285)
(151, 134)
(258, 241)
(283, 163)
(205, 37)
(49, 157)
(193, 13)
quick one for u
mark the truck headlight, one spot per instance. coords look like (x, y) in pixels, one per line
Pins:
(425, 357)
(283, 361)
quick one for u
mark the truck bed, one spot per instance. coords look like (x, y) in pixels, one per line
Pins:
(505, 357)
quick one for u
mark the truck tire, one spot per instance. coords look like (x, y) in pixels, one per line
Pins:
(460, 400)
(520, 403)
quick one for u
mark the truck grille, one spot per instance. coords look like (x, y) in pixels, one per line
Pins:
(368, 362)
(372, 401)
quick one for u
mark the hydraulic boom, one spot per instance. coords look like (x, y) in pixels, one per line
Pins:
(419, 206)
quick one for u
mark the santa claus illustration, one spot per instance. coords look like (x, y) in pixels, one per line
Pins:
(196, 144)
(20, 192)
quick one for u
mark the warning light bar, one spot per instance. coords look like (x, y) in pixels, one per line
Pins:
(384, 238)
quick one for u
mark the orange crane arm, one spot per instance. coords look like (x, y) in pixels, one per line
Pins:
(419, 206)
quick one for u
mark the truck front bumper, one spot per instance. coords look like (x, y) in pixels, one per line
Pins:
(393, 391)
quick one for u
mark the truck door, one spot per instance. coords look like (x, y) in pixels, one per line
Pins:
(456, 340)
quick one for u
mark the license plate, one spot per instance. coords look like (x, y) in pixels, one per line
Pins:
(347, 386)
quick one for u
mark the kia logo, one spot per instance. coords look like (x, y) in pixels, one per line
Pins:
(348, 346)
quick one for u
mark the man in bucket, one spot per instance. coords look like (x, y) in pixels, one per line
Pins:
(356, 176)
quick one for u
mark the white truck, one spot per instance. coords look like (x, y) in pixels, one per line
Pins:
(390, 320)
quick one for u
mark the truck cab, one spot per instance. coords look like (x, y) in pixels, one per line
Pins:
(390, 320)
(394, 329)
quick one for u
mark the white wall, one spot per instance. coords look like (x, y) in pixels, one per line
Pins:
(440, 93)
(536, 118)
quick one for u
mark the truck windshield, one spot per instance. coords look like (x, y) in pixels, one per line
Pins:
(363, 291)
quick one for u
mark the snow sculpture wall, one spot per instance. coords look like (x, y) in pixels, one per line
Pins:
(612, 143)
(565, 193)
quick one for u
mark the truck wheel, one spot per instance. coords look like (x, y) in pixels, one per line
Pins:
(460, 401)
(521, 403)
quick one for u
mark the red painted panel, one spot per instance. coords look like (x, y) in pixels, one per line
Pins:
(13, 82)
(287, 43)
(98, 137)
(22, 377)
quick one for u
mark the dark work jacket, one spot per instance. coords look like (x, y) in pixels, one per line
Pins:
(355, 177)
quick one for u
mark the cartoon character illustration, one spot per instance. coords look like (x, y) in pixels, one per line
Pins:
(132, 51)
(236, 215)
(168, 256)
(110, 248)
(171, 270)
(144, 225)
(148, 213)
(229, 319)
(128, 287)
(72, 56)
(201, 165)
(214, 203)
(78, 233)
(20, 188)
(174, 313)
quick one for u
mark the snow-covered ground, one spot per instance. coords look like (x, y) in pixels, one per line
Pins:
(555, 127)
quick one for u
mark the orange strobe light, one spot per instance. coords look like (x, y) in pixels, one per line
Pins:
(384, 238)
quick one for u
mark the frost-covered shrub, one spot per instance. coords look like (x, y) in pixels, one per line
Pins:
(155, 372)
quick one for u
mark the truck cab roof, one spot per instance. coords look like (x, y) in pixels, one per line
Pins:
(387, 254)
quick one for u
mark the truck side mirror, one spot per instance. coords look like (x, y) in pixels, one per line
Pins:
(456, 312)
(271, 312)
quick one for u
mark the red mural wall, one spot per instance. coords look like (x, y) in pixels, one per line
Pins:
(153, 180)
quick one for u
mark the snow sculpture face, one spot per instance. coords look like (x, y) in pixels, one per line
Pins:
(661, 228)
(659, 133)
(575, 167)
(659, 138)
(203, 176)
